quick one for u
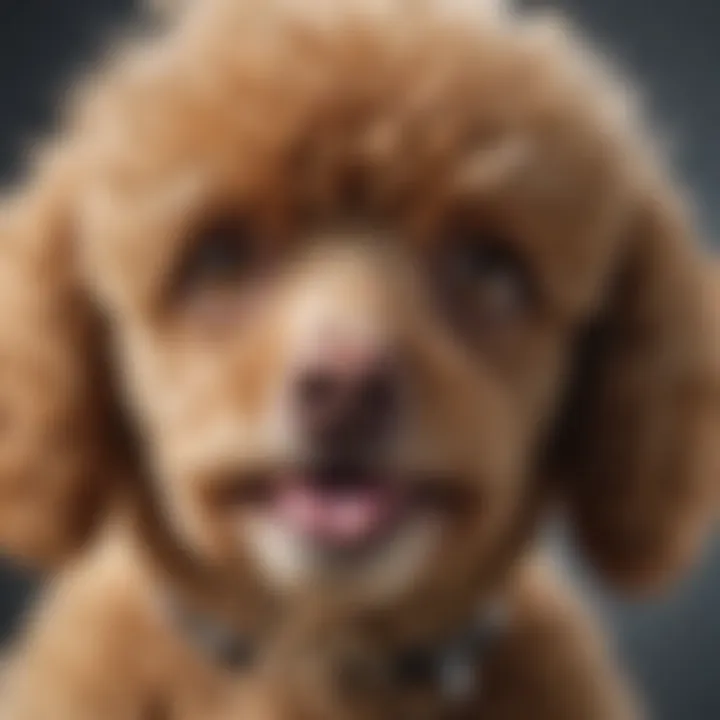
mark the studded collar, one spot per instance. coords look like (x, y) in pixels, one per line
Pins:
(453, 666)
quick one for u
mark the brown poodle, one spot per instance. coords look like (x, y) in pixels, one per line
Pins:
(313, 312)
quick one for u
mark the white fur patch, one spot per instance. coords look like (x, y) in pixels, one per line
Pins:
(291, 563)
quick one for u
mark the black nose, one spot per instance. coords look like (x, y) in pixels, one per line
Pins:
(347, 407)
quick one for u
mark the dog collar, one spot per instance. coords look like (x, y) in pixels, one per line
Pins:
(214, 640)
(454, 666)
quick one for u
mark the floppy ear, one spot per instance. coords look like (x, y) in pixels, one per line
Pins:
(56, 437)
(640, 443)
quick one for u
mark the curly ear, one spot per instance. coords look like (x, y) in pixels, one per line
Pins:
(640, 444)
(55, 441)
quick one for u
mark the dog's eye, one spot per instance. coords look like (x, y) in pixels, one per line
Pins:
(221, 253)
(487, 277)
(218, 280)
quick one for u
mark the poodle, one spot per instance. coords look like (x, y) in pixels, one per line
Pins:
(312, 313)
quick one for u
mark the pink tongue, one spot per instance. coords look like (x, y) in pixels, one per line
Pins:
(342, 517)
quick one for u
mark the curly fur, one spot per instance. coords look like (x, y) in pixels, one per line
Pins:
(125, 403)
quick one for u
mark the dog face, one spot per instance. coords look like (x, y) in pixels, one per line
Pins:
(345, 349)
(347, 256)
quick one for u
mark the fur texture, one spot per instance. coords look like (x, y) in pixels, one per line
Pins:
(462, 189)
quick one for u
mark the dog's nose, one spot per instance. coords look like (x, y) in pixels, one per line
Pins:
(347, 401)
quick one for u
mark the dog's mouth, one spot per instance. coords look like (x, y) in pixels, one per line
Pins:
(340, 509)
(345, 507)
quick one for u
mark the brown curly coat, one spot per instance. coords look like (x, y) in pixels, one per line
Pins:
(125, 399)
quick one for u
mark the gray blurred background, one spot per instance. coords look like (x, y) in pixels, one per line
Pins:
(671, 646)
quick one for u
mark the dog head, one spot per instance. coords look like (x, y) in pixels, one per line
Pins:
(376, 283)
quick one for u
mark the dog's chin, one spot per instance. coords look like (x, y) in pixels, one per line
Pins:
(381, 571)
(365, 536)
